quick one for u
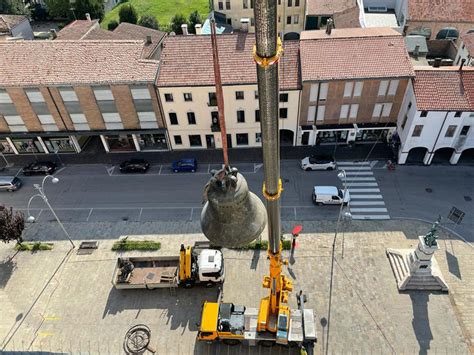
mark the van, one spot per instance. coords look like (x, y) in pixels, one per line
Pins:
(330, 195)
(9, 183)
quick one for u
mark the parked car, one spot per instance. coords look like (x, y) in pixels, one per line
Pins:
(330, 195)
(318, 162)
(40, 167)
(9, 183)
(185, 165)
(134, 166)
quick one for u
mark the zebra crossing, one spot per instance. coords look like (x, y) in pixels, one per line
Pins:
(366, 199)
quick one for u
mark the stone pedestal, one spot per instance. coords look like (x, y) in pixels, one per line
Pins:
(417, 269)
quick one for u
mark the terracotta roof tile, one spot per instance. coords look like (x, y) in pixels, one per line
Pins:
(187, 61)
(99, 33)
(34, 63)
(353, 54)
(77, 29)
(468, 41)
(135, 32)
(444, 89)
(328, 7)
(441, 10)
(7, 22)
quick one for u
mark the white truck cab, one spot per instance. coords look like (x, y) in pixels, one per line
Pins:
(211, 266)
(330, 195)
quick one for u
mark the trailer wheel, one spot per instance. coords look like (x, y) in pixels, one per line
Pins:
(209, 284)
(231, 342)
(188, 284)
(266, 343)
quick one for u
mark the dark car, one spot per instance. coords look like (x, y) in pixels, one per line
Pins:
(40, 167)
(185, 165)
(134, 166)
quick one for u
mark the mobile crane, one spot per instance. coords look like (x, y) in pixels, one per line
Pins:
(273, 321)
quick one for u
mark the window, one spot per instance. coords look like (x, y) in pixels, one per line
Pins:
(387, 108)
(383, 87)
(457, 114)
(241, 116)
(283, 97)
(313, 93)
(147, 119)
(297, 3)
(227, 5)
(245, 4)
(257, 115)
(178, 140)
(311, 113)
(409, 105)
(212, 99)
(34, 95)
(256, 94)
(344, 111)
(112, 120)
(424, 113)
(417, 131)
(283, 113)
(251, 4)
(191, 118)
(16, 123)
(169, 97)
(349, 110)
(279, 19)
(290, 3)
(354, 111)
(392, 89)
(321, 111)
(464, 130)
(48, 123)
(173, 118)
(324, 92)
(288, 20)
(348, 89)
(221, 5)
(450, 131)
(358, 88)
(195, 140)
(141, 93)
(242, 139)
(258, 138)
(252, 22)
(4, 97)
(296, 19)
(239, 95)
(188, 96)
(80, 122)
(404, 121)
(377, 110)
(103, 94)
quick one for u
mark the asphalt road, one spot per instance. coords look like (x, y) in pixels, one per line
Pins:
(100, 193)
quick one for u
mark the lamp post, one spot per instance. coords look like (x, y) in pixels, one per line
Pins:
(41, 194)
(341, 175)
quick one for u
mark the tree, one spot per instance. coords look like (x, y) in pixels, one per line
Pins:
(176, 23)
(39, 12)
(194, 19)
(112, 25)
(148, 21)
(13, 7)
(58, 8)
(127, 13)
(93, 7)
(11, 225)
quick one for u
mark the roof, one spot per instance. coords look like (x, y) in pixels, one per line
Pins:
(348, 18)
(356, 53)
(328, 7)
(77, 29)
(34, 63)
(444, 89)
(7, 22)
(441, 11)
(412, 41)
(135, 32)
(468, 41)
(187, 61)
(100, 34)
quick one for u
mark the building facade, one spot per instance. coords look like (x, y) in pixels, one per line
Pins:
(436, 121)
(466, 49)
(355, 91)
(75, 91)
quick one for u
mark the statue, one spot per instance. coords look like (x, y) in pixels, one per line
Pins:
(431, 237)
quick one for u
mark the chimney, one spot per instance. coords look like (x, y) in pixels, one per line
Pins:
(198, 28)
(462, 64)
(148, 39)
(184, 28)
(329, 26)
(244, 22)
(416, 52)
(88, 17)
(54, 34)
(437, 62)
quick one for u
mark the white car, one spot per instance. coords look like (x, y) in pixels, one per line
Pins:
(315, 162)
(330, 195)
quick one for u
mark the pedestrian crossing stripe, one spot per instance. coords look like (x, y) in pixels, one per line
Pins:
(369, 209)
(363, 190)
(372, 216)
(372, 197)
(367, 203)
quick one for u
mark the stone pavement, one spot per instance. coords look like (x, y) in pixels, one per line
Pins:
(58, 301)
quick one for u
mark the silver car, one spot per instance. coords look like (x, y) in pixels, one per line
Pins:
(9, 183)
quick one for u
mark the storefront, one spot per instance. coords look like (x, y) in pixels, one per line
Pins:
(130, 141)
(374, 132)
(28, 145)
(60, 145)
(154, 141)
(5, 147)
(334, 134)
(120, 143)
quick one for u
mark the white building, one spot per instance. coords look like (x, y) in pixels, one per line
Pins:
(186, 88)
(436, 122)
(466, 49)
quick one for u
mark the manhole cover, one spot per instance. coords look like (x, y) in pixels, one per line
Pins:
(467, 198)
(137, 339)
(124, 218)
(429, 190)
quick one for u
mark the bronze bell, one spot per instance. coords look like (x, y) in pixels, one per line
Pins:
(232, 216)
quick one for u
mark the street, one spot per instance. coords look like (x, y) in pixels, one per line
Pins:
(99, 193)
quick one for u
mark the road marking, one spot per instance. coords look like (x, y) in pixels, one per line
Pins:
(51, 318)
(39, 214)
(367, 178)
(110, 170)
(349, 185)
(140, 215)
(382, 216)
(58, 171)
(208, 168)
(353, 163)
(161, 167)
(355, 167)
(363, 190)
(355, 173)
(256, 167)
(294, 209)
(369, 210)
(373, 163)
(192, 212)
(90, 212)
(366, 196)
(367, 203)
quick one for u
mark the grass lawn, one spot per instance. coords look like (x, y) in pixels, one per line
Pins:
(126, 245)
(163, 10)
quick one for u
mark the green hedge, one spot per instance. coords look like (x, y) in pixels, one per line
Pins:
(263, 245)
(34, 246)
(127, 245)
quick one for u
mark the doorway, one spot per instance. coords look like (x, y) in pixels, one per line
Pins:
(305, 138)
(229, 141)
(210, 142)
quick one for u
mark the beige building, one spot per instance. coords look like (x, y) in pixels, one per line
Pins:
(353, 84)
(239, 15)
(186, 88)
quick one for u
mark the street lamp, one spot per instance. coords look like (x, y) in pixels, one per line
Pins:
(341, 175)
(41, 194)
